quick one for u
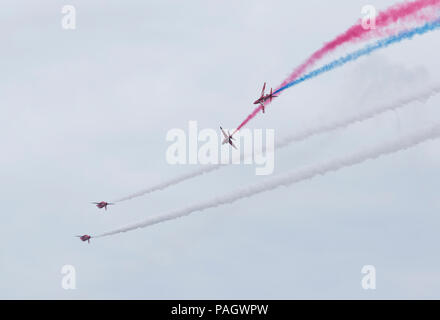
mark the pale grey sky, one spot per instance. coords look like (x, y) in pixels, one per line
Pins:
(84, 118)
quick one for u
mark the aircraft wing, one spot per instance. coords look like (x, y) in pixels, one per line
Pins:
(232, 144)
(224, 133)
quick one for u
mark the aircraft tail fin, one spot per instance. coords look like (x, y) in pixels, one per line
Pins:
(262, 91)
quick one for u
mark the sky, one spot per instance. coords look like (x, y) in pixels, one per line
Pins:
(85, 114)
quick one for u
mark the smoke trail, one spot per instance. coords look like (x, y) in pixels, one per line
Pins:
(368, 114)
(430, 26)
(404, 35)
(391, 15)
(291, 177)
(412, 11)
(299, 136)
(168, 183)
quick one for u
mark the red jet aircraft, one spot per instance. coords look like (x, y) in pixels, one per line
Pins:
(85, 238)
(262, 99)
(102, 204)
(228, 138)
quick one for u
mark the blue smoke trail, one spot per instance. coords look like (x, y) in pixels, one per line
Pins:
(408, 34)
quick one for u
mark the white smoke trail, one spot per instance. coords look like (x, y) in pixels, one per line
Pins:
(367, 114)
(171, 182)
(292, 177)
(421, 96)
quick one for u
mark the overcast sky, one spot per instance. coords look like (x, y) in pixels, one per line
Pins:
(85, 112)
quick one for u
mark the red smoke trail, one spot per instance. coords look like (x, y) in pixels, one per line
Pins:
(358, 32)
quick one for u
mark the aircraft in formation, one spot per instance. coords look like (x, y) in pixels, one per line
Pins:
(85, 237)
(263, 98)
(102, 204)
(228, 137)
